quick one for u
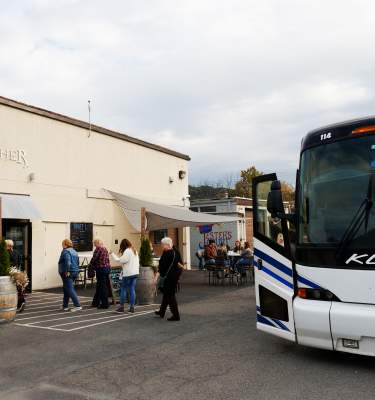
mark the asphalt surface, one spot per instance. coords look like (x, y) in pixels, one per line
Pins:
(214, 352)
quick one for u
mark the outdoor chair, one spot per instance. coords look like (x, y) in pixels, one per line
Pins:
(223, 270)
(80, 280)
(211, 269)
(243, 272)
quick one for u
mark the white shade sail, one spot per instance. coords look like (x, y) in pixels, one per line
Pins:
(18, 207)
(161, 216)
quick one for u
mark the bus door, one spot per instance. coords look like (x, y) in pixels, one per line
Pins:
(273, 268)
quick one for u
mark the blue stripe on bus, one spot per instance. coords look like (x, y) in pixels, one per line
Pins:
(265, 321)
(275, 276)
(281, 325)
(272, 322)
(308, 282)
(270, 260)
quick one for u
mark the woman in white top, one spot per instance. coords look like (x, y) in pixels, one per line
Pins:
(130, 271)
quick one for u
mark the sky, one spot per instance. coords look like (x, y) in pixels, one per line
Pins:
(231, 83)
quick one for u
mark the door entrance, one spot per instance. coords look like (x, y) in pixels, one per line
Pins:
(20, 232)
(274, 279)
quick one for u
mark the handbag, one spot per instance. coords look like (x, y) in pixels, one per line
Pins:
(162, 279)
(90, 272)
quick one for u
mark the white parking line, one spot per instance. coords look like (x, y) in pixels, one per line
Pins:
(41, 295)
(70, 317)
(113, 316)
(112, 320)
(84, 310)
(78, 315)
(49, 308)
(45, 312)
(56, 327)
(41, 327)
(55, 300)
(50, 304)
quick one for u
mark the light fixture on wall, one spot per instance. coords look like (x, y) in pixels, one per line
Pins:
(181, 174)
(186, 200)
(171, 180)
(31, 177)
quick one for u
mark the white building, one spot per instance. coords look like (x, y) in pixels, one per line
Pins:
(52, 174)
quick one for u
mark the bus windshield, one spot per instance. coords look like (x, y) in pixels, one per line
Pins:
(335, 180)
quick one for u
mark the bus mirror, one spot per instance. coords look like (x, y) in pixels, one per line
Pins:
(275, 200)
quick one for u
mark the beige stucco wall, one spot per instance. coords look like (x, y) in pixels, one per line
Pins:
(70, 169)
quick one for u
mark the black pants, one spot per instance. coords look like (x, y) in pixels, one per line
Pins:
(101, 293)
(169, 299)
(20, 297)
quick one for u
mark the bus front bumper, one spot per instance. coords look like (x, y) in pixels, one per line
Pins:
(333, 326)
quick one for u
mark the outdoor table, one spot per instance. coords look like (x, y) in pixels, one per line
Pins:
(233, 254)
(232, 257)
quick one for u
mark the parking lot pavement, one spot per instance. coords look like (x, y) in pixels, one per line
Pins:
(214, 352)
(44, 311)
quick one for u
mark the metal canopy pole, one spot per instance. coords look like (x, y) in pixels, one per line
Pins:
(1, 222)
(143, 223)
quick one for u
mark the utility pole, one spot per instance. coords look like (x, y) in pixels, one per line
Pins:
(89, 107)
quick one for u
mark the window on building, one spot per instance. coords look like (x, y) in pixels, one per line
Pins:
(195, 209)
(159, 235)
(208, 209)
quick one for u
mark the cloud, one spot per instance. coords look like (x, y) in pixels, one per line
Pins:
(230, 83)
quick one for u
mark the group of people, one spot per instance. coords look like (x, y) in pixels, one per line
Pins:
(169, 272)
(211, 254)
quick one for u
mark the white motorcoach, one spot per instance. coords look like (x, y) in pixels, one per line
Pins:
(315, 269)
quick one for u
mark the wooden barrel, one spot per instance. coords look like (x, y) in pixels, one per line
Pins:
(8, 299)
(146, 289)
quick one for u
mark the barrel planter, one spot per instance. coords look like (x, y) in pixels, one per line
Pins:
(146, 288)
(8, 299)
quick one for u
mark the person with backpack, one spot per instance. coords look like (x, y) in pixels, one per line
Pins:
(69, 270)
(169, 273)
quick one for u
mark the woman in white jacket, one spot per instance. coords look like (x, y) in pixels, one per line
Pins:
(130, 271)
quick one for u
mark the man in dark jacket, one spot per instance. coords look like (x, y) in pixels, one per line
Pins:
(170, 272)
(68, 270)
(13, 254)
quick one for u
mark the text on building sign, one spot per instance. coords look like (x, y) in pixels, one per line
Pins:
(18, 156)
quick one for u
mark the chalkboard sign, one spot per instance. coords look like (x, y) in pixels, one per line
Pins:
(115, 277)
(81, 234)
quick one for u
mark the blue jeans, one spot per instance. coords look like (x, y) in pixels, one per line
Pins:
(201, 263)
(128, 285)
(69, 291)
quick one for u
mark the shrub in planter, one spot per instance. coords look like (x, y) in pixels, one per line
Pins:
(8, 292)
(146, 289)
(4, 259)
(145, 253)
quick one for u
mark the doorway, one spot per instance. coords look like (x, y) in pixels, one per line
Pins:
(19, 231)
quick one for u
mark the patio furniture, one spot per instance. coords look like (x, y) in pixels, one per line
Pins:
(244, 271)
